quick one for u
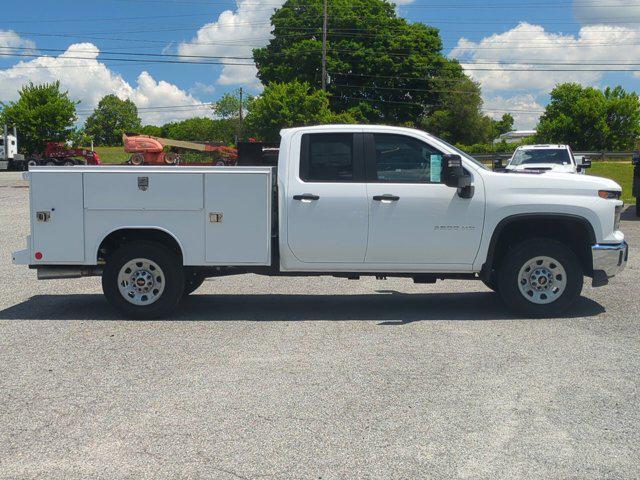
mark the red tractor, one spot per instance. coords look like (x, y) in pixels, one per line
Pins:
(59, 154)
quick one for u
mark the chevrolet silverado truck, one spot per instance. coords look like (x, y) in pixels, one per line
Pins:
(556, 158)
(344, 201)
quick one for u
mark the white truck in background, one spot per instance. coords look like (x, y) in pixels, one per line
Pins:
(346, 201)
(10, 159)
(554, 158)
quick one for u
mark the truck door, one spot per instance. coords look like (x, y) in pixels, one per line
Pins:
(327, 212)
(414, 219)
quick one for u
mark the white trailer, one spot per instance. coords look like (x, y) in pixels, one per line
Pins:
(347, 201)
(9, 156)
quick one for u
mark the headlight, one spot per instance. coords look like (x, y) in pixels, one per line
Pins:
(610, 194)
(616, 221)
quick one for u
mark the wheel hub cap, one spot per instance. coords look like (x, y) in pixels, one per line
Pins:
(141, 282)
(542, 280)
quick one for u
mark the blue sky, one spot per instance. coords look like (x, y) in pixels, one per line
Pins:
(517, 35)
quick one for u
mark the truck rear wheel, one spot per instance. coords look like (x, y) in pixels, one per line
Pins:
(540, 277)
(143, 280)
(192, 282)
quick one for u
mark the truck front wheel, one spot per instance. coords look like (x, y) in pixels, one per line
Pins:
(540, 277)
(143, 280)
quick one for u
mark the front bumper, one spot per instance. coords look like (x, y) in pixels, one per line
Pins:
(608, 261)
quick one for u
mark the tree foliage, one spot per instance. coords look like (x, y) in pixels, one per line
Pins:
(111, 118)
(590, 119)
(504, 125)
(460, 119)
(382, 68)
(42, 113)
(201, 130)
(285, 105)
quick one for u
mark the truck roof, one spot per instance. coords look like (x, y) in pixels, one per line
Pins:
(349, 128)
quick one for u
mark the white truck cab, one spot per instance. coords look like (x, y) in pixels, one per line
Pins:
(556, 158)
(344, 200)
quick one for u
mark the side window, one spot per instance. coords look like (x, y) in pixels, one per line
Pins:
(327, 157)
(401, 159)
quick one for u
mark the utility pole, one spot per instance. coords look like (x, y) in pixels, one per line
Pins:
(324, 46)
(240, 115)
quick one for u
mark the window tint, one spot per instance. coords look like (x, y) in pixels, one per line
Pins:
(329, 158)
(401, 159)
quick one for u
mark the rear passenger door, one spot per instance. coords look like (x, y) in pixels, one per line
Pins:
(327, 212)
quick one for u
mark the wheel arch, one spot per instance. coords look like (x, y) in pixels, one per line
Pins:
(574, 230)
(115, 238)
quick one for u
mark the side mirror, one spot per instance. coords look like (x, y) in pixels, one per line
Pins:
(455, 176)
(497, 164)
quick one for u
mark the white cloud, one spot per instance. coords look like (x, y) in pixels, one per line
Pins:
(503, 62)
(525, 109)
(88, 80)
(530, 45)
(250, 25)
(9, 38)
(610, 11)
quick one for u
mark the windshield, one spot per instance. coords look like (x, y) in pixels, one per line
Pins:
(556, 156)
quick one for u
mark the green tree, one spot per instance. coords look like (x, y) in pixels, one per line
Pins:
(111, 118)
(228, 106)
(504, 125)
(152, 130)
(79, 138)
(382, 68)
(285, 105)
(42, 113)
(460, 119)
(590, 119)
(201, 130)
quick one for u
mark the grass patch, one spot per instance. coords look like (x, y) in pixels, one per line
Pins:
(619, 172)
(112, 155)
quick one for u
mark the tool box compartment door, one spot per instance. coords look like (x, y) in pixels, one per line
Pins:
(57, 222)
(238, 218)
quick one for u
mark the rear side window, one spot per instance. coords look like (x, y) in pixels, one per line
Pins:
(327, 157)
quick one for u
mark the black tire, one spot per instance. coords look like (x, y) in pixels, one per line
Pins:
(172, 280)
(192, 282)
(491, 284)
(527, 251)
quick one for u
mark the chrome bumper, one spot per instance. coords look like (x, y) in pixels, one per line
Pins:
(608, 261)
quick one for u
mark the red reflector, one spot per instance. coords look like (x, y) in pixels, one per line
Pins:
(39, 255)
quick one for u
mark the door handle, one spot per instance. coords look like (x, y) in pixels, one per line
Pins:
(386, 198)
(307, 197)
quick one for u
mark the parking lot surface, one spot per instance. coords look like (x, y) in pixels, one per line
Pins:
(313, 379)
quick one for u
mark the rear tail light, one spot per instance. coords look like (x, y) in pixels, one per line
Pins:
(610, 194)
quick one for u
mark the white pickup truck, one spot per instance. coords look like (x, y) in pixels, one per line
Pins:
(345, 201)
(555, 158)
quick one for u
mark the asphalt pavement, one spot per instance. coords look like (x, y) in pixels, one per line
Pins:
(313, 378)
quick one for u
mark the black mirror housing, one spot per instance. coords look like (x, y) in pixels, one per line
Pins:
(452, 170)
(497, 164)
(455, 176)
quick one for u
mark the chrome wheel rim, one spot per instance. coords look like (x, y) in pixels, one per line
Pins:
(141, 282)
(542, 280)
